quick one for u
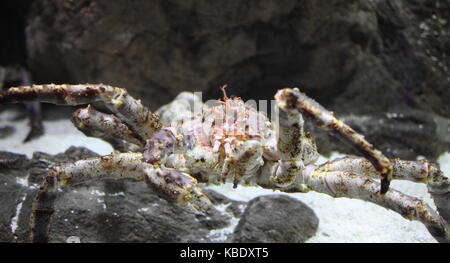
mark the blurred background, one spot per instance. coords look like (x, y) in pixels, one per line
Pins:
(382, 66)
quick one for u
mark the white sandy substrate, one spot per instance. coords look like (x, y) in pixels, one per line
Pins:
(340, 220)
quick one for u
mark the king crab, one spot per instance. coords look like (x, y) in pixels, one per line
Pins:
(230, 141)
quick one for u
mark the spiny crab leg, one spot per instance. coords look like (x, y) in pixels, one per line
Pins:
(106, 126)
(71, 174)
(296, 149)
(420, 171)
(141, 120)
(345, 184)
(171, 184)
(291, 100)
(34, 109)
(356, 186)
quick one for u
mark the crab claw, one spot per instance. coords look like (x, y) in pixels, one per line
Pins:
(179, 188)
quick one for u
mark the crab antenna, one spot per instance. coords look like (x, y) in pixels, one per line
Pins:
(222, 88)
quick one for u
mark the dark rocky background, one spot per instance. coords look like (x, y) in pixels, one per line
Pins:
(362, 59)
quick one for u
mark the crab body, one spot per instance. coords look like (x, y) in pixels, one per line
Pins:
(187, 142)
(226, 142)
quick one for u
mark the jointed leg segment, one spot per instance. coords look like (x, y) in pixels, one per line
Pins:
(292, 100)
(421, 171)
(345, 184)
(171, 184)
(106, 126)
(141, 121)
(352, 177)
(295, 147)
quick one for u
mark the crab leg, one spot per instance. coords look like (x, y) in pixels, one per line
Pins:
(106, 126)
(292, 100)
(420, 171)
(351, 185)
(34, 110)
(292, 144)
(141, 120)
(36, 127)
(344, 184)
(171, 184)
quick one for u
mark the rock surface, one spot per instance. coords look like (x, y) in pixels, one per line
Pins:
(265, 218)
(123, 211)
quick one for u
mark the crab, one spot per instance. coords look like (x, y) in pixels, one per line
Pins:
(187, 142)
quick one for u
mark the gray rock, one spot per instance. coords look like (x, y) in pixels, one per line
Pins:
(13, 167)
(276, 218)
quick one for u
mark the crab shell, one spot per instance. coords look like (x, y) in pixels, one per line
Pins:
(228, 141)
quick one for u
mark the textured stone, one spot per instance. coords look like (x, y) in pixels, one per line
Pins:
(13, 167)
(276, 218)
